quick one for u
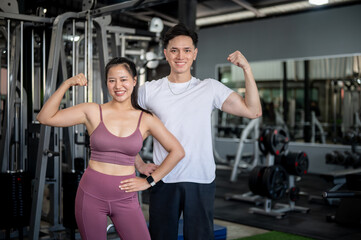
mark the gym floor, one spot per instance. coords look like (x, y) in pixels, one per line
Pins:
(235, 216)
(312, 224)
(234, 230)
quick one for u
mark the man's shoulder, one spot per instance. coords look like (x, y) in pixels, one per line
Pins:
(206, 80)
(209, 81)
(154, 83)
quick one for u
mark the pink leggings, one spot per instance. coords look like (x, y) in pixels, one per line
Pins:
(99, 196)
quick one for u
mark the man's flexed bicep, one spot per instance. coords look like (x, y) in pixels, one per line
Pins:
(250, 105)
(235, 104)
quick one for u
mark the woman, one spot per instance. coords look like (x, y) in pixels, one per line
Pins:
(117, 130)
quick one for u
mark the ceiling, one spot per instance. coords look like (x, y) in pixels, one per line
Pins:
(208, 12)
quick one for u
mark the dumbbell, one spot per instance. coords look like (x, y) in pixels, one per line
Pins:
(335, 157)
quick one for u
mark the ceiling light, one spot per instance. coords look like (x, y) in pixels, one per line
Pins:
(318, 2)
(152, 60)
(156, 25)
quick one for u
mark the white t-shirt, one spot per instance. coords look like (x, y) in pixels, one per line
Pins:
(185, 109)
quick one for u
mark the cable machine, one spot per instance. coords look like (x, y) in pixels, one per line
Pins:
(15, 175)
(71, 43)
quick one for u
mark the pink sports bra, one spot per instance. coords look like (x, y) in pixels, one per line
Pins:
(108, 148)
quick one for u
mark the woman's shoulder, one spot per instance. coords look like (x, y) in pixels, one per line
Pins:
(90, 109)
(149, 118)
(87, 106)
(147, 115)
(92, 106)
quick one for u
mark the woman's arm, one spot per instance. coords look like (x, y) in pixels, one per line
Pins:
(144, 168)
(50, 113)
(175, 154)
(170, 144)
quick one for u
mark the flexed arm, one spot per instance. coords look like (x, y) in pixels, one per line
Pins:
(250, 105)
(50, 113)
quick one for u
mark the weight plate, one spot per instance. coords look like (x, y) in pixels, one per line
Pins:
(255, 180)
(295, 163)
(263, 146)
(277, 141)
(275, 179)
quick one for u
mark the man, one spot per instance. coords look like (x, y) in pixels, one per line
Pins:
(185, 104)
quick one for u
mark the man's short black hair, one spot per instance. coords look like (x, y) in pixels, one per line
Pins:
(179, 30)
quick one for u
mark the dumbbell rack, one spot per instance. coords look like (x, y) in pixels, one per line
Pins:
(280, 209)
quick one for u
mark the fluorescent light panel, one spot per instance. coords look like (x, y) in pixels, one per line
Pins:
(318, 2)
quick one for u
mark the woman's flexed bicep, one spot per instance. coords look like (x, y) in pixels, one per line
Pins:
(50, 113)
(67, 117)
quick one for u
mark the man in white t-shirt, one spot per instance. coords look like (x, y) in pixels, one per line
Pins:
(184, 104)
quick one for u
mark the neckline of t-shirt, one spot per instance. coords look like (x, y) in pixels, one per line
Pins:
(178, 83)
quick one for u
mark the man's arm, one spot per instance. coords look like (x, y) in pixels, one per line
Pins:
(250, 105)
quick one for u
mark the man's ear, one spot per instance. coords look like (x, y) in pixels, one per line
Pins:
(195, 54)
(165, 54)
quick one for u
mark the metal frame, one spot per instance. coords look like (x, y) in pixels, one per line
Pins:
(315, 123)
(252, 127)
(13, 52)
(25, 18)
(42, 157)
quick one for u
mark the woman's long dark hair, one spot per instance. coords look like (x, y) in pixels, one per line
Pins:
(131, 68)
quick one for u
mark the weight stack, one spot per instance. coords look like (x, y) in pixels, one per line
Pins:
(15, 200)
(70, 186)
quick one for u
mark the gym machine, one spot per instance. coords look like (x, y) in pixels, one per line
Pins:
(15, 175)
(249, 135)
(357, 120)
(348, 212)
(351, 162)
(252, 127)
(20, 142)
(315, 124)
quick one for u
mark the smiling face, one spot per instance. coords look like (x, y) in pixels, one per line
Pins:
(120, 83)
(180, 54)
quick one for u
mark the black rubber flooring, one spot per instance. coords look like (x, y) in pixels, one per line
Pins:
(312, 224)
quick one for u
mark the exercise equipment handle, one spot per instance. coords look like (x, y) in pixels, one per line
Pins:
(343, 194)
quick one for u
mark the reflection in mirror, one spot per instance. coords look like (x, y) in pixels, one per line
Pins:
(323, 97)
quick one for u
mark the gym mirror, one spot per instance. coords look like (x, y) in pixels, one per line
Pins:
(322, 94)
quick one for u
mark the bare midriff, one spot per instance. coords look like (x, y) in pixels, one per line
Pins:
(111, 169)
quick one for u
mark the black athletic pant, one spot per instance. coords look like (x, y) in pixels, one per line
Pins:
(169, 200)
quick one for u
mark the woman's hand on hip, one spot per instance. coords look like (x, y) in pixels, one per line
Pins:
(134, 184)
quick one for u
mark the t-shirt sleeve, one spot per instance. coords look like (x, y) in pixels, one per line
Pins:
(142, 96)
(221, 93)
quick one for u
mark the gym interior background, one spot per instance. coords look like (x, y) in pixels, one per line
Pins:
(297, 170)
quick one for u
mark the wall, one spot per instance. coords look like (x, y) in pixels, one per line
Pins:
(303, 35)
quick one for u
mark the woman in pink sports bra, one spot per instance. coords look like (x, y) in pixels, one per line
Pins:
(117, 130)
